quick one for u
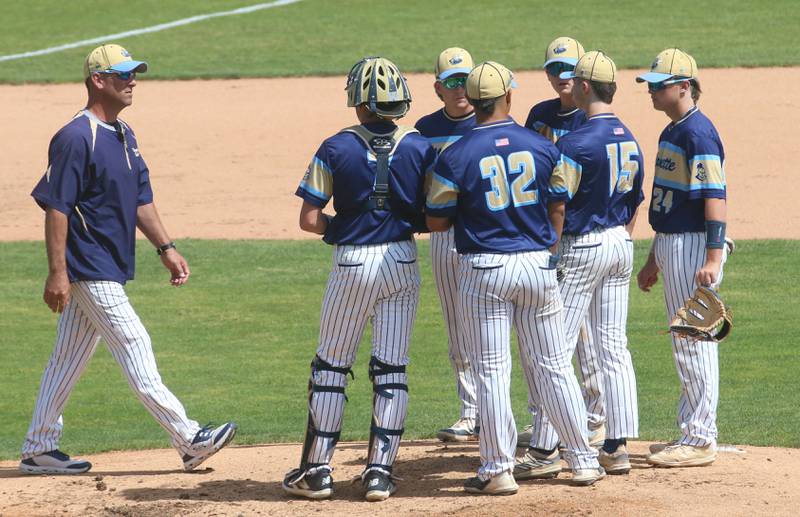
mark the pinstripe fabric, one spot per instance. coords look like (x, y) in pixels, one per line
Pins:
(444, 260)
(101, 309)
(378, 282)
(496, 292)
(598, 268)
(680, 256)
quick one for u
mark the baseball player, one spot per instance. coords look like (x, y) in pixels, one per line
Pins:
(494, 182)
(375, 173)
(95, 193)
(688, 212)
(553, 119)
(442, 128)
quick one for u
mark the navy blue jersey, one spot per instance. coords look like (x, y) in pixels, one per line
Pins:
(547, 119)
(690, 167)
(496, 182)
(97, 177)
(344, 168)
(603, 167)
(442, 130)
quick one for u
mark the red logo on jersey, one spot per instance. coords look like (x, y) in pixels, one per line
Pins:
(500, 142)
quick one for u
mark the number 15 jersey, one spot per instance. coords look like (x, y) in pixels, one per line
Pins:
(496, 181)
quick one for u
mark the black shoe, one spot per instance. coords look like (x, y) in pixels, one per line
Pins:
(379, 486)
(318, 485)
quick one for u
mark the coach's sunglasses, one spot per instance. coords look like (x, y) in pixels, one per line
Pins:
(125, 76)
(557, 68)
(451, 83)
(657, 87)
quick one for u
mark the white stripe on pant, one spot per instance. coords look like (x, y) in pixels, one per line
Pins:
(101, 309)
(378, 282)
(680, 256)
(497, 290)
(598, 268)
(444, 261)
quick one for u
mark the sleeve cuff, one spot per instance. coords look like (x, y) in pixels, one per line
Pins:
(311, 198)
(45, 202)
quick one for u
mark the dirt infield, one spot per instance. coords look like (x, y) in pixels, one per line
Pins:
(246, 481)
(226, 156)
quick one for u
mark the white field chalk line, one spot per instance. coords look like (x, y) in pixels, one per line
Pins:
(146, 30)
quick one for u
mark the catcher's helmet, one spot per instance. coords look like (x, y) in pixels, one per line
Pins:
(376, 82)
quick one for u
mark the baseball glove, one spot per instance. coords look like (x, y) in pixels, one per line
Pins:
(703, 317)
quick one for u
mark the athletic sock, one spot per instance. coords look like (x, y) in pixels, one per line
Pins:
(611, 445)
(544, 452)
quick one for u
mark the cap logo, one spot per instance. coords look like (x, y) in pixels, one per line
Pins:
(559, 49)
(456, 59)
(125, 53)
(656, 63)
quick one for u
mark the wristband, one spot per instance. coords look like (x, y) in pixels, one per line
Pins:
(715, 235)
(168, 246)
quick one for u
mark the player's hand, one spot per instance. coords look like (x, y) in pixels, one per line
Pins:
(177, 266)
(648, 275)
(56, 291)
(708, 274)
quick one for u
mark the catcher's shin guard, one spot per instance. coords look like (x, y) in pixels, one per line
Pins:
(326, 400)
(389, 404)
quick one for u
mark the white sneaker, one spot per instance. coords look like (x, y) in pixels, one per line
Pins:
(464, 430)
(207, 442)
(586, 477)
(535, 465)
(684, 456)
(502, 484)
(525, 436)
(658, 447)
(53, 462)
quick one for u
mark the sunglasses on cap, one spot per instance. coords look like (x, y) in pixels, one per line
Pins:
(451, 83)
(657, 87)
(557, 68)
(125, 76)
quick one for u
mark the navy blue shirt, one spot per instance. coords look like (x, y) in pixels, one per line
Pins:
(496, 182)
(603, 167)
(547, 119)
(344, 168)
(690, 167)
(97, 177)
(442, 130)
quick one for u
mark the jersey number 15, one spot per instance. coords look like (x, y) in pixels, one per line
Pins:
(502, 194)
(623, 166)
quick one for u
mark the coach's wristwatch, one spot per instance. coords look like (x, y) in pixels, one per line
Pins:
(163, 248)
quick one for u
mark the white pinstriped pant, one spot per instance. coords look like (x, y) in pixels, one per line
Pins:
(380, 283)
(444, 260)
(598, 268)
(496, 292)
(680, 256)
(101, 309)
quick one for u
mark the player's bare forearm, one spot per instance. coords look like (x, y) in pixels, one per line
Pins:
(149, 222)
(312, 219)
(438, 224)
(56, 289)
(715, 210)
(555, 212)
(632, 223)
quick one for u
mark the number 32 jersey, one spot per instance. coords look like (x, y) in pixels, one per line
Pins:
(496, 182)
(689, 169)
(603, 168)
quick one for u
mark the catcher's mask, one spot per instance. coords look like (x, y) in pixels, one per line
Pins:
(376, 82)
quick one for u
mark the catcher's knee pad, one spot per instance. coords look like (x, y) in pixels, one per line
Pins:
(319, 442)
(389, 403)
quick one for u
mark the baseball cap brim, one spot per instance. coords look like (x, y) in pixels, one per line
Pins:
(130, 66)
(567, 75)
(453, 71)
(653, 77)
(568, 60)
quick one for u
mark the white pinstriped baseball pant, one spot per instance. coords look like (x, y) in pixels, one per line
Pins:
(101, 309)
(444, 261)
(679, 256)
(598, 268)
(380, 283)
(496, 292)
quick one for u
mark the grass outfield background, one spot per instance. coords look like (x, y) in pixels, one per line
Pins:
(326, 37)
(237, 341)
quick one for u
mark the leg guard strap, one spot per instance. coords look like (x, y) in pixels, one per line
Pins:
(383, 435)
(383, 389)
(378, 367)
(319, 364)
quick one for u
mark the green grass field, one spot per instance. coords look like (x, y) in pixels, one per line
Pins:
(236, 343)
(326, 37)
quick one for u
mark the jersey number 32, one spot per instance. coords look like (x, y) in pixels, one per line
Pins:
(503, 194)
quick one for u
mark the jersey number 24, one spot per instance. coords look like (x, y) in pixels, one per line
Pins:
(503, 194)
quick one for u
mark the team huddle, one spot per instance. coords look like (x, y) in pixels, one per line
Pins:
(530, 230)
